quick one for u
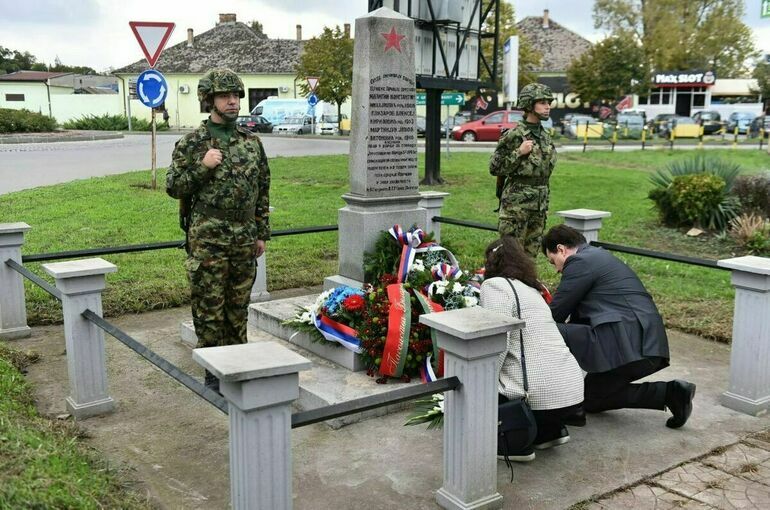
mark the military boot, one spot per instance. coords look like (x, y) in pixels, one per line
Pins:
(211, 382)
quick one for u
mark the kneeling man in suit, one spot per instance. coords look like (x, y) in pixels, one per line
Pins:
(614, 331)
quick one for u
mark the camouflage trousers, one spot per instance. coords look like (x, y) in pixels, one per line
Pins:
(220, 278)
(523, 216)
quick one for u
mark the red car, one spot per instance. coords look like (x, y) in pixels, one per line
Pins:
(489, 128)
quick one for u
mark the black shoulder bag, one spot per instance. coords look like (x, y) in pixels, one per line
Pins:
(516, 425)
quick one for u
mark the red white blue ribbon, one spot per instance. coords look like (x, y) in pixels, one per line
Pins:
(337, 332)
(445, 271)
(409, 240)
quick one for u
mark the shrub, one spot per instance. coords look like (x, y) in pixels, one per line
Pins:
(24, 121)
(754, 193)
(112, 123)
(698, 164)
(695, 191)
(752, 233)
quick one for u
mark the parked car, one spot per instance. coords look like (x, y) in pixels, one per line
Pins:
(488, 128)
(741, 120)
(580, 126)
(295, 125)
(329, 124)
(683, 127)
(631, 121)
(419, 125)
(449, 123)
(660, 120)
(711, 120)
(761, 122)
(255, 123)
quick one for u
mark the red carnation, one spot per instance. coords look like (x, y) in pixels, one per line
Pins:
(354, 303)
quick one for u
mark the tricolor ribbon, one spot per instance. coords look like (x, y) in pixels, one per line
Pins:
(445, 271)
(426, 371)
(397, 339)
(409, 240)
(337, 332)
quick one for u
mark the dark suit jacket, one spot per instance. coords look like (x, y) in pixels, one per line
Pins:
(613, 320)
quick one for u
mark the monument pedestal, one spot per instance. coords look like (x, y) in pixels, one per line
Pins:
(361, 223)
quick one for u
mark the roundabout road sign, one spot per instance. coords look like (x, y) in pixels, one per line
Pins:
(151, 88)
(312, 100)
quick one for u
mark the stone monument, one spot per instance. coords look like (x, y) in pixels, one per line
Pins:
(383, 146)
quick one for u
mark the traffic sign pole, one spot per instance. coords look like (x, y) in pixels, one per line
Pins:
(154, 151)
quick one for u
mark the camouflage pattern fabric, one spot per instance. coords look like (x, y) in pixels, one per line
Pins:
(221, 264)
(219, 80)
(531, 94)
(525, 196)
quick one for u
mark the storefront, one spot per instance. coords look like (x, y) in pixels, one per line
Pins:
(686, 92)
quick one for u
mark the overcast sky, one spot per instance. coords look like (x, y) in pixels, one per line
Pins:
(95, 33)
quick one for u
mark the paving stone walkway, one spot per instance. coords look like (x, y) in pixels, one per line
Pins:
(732, 477)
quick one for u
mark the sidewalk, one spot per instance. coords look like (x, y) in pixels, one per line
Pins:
(69, 135)
(177, 445)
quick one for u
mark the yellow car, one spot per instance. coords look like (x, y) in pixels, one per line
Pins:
(684, 127)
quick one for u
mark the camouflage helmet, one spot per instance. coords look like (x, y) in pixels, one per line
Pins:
(216, 81)
(533, 93)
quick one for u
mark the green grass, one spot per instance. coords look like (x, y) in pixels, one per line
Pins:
(120, 210)
(43, 464)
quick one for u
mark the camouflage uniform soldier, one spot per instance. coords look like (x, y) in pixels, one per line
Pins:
(523, 162)
(221, 176)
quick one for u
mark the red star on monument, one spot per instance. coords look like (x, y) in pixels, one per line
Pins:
(393, 40)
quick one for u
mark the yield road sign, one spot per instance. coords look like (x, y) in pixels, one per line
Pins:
(152, 37)
(312, 100)
(312, 82)
(151, 88)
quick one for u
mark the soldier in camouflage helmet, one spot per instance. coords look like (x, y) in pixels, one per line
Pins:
(523, 162)
(221, 176)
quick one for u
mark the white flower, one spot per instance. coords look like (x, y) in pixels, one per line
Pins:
(470, 301)
(306, 317)
(440, 289)
(320, 301)
(417, 266)
(442, 283)
(457, 287)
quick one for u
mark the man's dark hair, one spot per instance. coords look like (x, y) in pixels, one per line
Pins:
(561, 234)
(507, 259)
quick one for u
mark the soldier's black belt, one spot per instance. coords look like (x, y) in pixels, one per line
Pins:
(529, 181)
(224, 214)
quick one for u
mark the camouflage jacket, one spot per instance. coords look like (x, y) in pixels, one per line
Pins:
(532, 169)
(241, 182)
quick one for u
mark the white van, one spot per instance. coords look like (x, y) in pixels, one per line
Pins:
(277, 109)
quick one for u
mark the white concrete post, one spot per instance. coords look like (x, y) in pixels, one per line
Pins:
(472, 339)
(81, 283)
(749, 387)
(432, 202)
(259, 289)
(259, 381)
(586, 221)
(13, 309)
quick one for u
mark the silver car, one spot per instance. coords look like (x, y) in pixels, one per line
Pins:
(295, 125)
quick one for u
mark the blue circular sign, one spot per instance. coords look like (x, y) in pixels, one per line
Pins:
(312, 100)
(151, 88)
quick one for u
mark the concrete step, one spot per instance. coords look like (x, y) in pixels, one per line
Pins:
(269, 316)
(327, 382)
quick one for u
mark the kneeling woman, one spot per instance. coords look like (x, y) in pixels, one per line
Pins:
(554, 377)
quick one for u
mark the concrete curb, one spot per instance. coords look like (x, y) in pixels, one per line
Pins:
(85, 136)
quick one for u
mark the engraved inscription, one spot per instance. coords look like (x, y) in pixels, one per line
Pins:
(391, 162)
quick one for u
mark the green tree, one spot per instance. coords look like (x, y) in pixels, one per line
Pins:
(682, 34)
(761, 73)
(529, 58)
(14, 60)
(257, 27)
(610, 69)
(330, 58)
